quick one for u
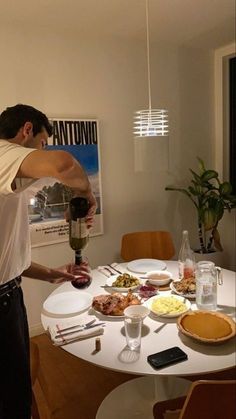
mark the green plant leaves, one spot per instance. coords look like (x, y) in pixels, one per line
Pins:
(196, 177)
(194, 190)
(209, 219)
(201, 165)
(211, 198)
(225, 188)
(208, 175)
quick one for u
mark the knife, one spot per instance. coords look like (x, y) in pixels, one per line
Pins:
(77, 325)
(112, 267)
(61, 335)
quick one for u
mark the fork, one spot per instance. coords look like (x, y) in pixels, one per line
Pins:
(77, 325)
(119, 272)
(109, 270)
(80, 329)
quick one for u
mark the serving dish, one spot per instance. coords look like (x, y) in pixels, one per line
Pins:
(113, 305)
(207, 326)
(113, 278)
(165, 300)
(142, 266)
(183, 294)
(69, 303)
(147, 291)
(159, 277)
(108, 316)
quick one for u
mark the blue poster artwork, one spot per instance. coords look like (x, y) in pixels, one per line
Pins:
(48, 205)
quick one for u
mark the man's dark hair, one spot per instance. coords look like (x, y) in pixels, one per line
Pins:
(14, 117)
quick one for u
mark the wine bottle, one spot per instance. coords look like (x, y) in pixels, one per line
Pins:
(78, 233)
(186, 260)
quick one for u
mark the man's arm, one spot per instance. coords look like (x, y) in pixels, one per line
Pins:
(57, 164)
(68, 272)
(62, 166)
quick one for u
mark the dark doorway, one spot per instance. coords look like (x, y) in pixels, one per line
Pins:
(232, 122)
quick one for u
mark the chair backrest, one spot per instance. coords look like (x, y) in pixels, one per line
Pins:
(210, 399)
(206, 399)
(147, 244)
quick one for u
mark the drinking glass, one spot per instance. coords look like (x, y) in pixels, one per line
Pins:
(133, 326)
(207, 277)
(83, 281)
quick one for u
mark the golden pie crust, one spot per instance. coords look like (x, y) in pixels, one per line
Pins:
(207, 326)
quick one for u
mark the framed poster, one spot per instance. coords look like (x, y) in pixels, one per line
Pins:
(47, 206)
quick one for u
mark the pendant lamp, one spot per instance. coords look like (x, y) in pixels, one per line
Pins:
(150, 122)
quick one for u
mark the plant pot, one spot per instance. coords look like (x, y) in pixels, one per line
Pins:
(216, 257)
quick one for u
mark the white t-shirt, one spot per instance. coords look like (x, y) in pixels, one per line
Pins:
(15, 250)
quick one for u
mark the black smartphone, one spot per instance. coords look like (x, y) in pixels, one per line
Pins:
(167, 357)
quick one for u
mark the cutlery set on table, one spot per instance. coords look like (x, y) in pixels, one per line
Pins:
(109, 270)
(62, 334)
(78, 315)
(129, 288)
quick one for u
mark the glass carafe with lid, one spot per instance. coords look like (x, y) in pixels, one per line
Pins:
(207, 277)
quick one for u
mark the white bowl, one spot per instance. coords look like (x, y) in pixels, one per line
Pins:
(136, 310)
(159, 277)
(176, 298)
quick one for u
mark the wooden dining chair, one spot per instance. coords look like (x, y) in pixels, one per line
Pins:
(147, 244)
(206, 399)
(135, 398)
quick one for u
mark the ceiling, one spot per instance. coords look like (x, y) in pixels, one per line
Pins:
(198, 23)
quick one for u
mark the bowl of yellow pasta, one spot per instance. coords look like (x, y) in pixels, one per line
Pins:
(168, 306)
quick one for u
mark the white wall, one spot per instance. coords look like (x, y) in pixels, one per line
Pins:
(67, 76)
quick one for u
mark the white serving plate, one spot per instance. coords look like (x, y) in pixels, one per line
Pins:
(108, 316)
(113, 278)
(68, 303)
(142, 266)
(186, 295)
(149, 302)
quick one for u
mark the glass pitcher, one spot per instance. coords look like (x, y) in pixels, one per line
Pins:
(207, 277)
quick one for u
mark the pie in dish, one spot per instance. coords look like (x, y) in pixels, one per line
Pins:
(207, 326)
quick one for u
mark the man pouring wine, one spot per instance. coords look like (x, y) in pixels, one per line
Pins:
(24, 162)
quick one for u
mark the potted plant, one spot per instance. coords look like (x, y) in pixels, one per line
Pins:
(210, 198)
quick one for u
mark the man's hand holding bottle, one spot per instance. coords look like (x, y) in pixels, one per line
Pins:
(89, 219)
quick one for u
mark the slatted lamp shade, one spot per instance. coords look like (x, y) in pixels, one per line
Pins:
(150, 122)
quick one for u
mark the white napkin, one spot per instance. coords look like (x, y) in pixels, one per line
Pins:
(73, 335)
(109, 270)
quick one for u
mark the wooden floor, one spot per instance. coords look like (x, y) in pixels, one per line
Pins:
(72, 388)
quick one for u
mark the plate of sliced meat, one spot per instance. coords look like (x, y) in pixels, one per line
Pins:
(184, 287)
(113, 305)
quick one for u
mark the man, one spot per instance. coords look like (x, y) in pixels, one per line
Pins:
(23, 161)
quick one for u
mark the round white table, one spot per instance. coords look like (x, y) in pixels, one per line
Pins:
(157, 334)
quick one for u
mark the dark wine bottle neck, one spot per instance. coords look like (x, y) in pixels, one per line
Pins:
(78, 257)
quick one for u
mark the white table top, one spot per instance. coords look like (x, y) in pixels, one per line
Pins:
(157, 334)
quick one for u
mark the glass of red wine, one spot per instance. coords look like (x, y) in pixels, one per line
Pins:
(82, 281)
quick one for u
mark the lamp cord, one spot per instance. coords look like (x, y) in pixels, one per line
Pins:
(148, 58)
